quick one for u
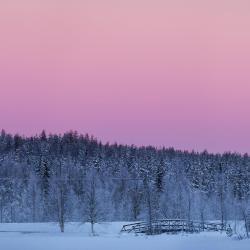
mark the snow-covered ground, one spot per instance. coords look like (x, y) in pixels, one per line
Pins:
(46, 236)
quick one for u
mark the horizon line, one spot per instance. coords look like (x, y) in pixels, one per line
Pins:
(110, 143)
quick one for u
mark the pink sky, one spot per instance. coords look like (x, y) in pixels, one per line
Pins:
(165, 73)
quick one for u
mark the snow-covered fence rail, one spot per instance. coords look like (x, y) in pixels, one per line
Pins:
(174, 226)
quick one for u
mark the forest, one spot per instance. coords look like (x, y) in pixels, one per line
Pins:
(74, 177)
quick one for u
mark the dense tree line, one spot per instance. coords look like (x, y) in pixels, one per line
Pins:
(74, 177)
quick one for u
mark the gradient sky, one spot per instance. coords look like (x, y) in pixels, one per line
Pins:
(160, 72)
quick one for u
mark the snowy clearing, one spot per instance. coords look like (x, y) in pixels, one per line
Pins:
(46, 236)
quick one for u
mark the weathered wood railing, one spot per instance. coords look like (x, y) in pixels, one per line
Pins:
(174, 226)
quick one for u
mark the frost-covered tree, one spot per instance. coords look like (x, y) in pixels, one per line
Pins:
(92, 206)
(49, 178)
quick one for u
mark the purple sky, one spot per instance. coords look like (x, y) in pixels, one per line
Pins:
(164, 73)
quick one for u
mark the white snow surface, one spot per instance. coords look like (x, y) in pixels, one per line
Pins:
(46, 236)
